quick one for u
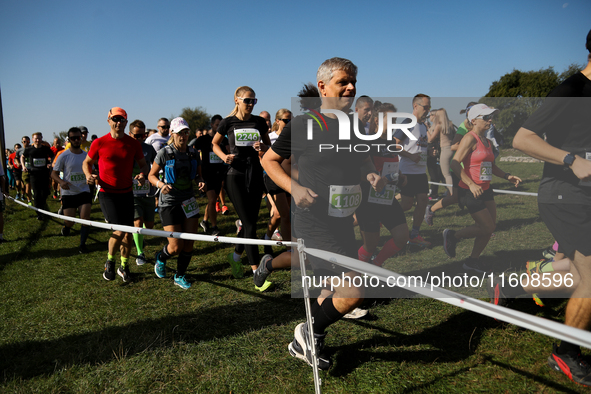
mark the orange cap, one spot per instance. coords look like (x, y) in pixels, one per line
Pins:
(116, 111)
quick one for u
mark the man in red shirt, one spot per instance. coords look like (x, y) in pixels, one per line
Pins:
(115, 154)
(55, 148)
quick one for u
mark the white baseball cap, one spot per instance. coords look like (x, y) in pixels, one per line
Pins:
(479, 110)
(178, 124)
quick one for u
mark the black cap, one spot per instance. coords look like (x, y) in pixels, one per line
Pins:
(588, 45)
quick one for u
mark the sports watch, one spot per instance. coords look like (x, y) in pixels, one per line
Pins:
(569, 160)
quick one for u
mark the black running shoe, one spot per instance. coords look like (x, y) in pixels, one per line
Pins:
(65, 231)
(109, 273)
(215, 231)
(83, 249)
(449, 242)
(301, 348)
(260, 275)
(205, 226)
(124, 273)
(574, 367)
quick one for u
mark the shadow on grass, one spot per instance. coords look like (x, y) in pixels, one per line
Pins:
(21, 253)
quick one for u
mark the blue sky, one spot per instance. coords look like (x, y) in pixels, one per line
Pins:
(66, 63)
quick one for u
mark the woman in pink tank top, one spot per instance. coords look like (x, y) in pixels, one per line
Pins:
(476, 155)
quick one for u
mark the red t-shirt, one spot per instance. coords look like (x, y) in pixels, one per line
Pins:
(115, 158)
(14, 163)
(55, 150)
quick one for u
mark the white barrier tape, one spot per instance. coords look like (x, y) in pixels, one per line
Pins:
(534, 323)
(161, 233)
(494, 190)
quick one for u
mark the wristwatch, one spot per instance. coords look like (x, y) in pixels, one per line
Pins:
(569, 160)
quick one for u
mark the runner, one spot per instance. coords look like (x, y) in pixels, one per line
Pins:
(324, 178)
(214, 171)
(75, 190)
(247, 135)
(26, 183)
(115, 154)
(475, 153)
(3, 192)
(17, 171)
(144, 204)
(39, 157)
(179, 211)
(159, 140)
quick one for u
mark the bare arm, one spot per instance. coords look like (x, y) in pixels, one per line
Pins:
(88, 172)
(217, 140)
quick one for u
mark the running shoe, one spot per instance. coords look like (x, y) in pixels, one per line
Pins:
(449, 242)
(224, 210)
(123, 273)
(237, 270)
(575, 367)
(141, 259)
(160, 267)
(17, 197)
(301, 347)
(356, 313)
(55, 197)
(65, 231)
(218, 208)
(549, 253)
(538, 300)
(60, 211)
(205, 226)
(260, 275)
(83, 249)
(535, 267)
(264, 287)
(30, 203)
(476, 265)
(214, 230)
(238, 226)
(276, 236)
(109, 273)
(429, 216)
(495, 293)
(419, 241)
(181, 282)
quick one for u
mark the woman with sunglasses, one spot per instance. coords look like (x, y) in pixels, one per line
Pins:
(247, 136)
(278, 198)
(476, 154)
(179, 212)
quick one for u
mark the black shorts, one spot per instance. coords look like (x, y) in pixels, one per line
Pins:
(271, 187)
(214, 179)
(466, 198)
(570, 224)
(415, 184)
(173, 215)
(76, 200)
(18, 174)
(117, 207)
(370, 215)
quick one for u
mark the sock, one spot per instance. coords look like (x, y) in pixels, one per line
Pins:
(183, 262)
(414, 232)
(363, 254)
(165, 255)
(236, 257)
(555, 246)
(269, 265)
(388, 250)
(325, 316)
(267, 237)
(84, 230)
(124, 261)
(139, 242)
(110, 257)
(567, 347)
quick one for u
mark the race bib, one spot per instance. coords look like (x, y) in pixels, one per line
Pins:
(140, 190)
(214, 159)
(77, 178)
(190, 207)
(486, 171)
(39, 162)
(586, 183)
(246, 137)
(343, 200)
(391, 168)
(386, 197)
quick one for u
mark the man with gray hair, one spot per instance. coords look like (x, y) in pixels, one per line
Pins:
(326, 194)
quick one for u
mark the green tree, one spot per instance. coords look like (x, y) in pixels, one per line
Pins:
(519, 93)
(197, 118)
(62, 135)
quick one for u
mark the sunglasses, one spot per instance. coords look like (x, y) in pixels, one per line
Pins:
(164, 127)
(248, 101)
(427, 107)
(118, 119)
(138, 136)
(286, 121)
(486, 118)
(74, 138)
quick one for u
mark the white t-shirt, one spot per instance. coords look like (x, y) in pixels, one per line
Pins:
(407, 166)
(157, 141)
(70, 164)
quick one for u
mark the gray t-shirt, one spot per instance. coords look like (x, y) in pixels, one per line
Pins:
(71, 165)
(182, 187)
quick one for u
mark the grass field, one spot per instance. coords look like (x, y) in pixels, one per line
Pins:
(65, 329)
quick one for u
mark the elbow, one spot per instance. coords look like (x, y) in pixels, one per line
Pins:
(518, 142)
